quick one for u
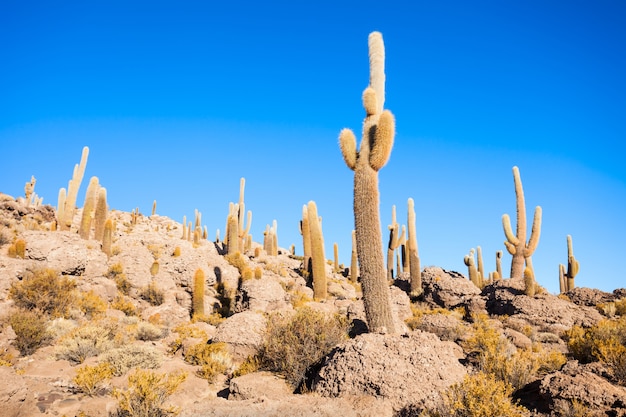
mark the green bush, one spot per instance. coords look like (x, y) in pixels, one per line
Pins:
(45, 290)
(294, 343)
(30, 330)
(147, 393)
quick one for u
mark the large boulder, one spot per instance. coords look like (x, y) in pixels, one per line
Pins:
(584, 384)
(243, 333)
(403, 370)
(447, 289)
(265, 294)
(547, 312)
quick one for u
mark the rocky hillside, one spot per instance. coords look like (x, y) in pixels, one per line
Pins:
(178, 324)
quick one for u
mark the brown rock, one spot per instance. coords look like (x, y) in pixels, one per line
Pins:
(403, 370)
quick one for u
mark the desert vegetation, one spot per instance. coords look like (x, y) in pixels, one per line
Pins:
(109, 313)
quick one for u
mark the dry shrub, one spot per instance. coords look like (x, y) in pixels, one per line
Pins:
(213, 358)
(91, 304)
(294, 343)
(17, 249)
(152, 294)
(620, 307)
(93, 380)
(583, 342)
(44, 289)
(213, 319)
(30, 330)
(127, 357)
(480, 395)
(185, 331)
(237, 260)
(249, 365)
(147, 331)
(419, 311)
(84, 342)
(124, 304)
(496, 357)
(299, 299)
(147, 393)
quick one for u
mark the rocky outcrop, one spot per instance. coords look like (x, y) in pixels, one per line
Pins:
(447, 289)
(403, 370)
(243, 333)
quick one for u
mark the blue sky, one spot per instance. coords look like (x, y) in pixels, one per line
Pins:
(178, 100)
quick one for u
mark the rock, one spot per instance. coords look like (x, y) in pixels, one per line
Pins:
(575, 382)
(447, 289)
(258, 386)
(243, 332)
(263, 294)
(548, 312)
(589, 296)
(411, 369)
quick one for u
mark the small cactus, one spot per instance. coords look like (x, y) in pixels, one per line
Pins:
(354, 263)
(306, 239)
(197, 301)
(414, 260)
(107, 237)
(101, 213)
(395, 239)
(566, 278)
(473, 273)
(530, 286)
(318, 260)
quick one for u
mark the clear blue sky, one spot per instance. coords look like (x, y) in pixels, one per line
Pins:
(178, 100)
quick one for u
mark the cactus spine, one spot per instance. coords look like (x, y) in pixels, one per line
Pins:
(372, 155)
(395, 239)
(318, 260)
(516, 243)
(197, 301)
(72, 191)
(414, 260)
(566, 278)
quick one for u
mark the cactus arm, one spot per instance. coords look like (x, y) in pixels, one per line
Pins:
(534, 234)
(383, 141)
(508, 232)
(521, 206)
(377, 67)
(347, 144)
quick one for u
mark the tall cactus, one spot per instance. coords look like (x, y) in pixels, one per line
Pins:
(566, 278)
(243, 230)
(414, 260)
(372, 155)
(318, 259)
(395, 239)
(516, 243)
(89, 208)
(306, 239)
(72, 191)
(101, 214)
(499, 264)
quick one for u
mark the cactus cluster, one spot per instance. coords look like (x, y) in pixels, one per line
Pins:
(372, 154)
(67, 198)
(238, 225)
